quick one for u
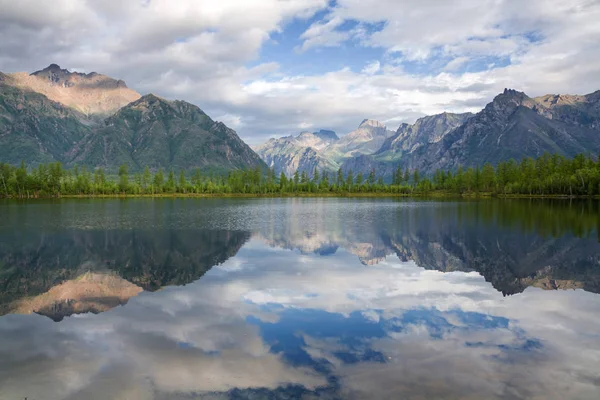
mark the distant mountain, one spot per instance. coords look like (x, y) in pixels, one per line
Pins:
(326, 135)
(513, 125)
(96, 121)
(300, 153)
(425, 131)
(366, 139)
(407, 139)
(322, 150)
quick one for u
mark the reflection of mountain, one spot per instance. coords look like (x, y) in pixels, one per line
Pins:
(515, 245)
(49, 273)
(93, 292)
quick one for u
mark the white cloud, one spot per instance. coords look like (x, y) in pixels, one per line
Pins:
(209, 53)
(324, 34)
(371, 68)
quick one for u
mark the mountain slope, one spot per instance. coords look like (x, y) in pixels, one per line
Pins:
(426, 130)
(158, 133)
(34, 128)
(89, 120)
(513, 126)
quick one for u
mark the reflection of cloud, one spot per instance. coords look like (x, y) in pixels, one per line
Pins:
(394, 327)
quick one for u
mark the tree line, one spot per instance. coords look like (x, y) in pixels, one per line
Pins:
(546, 175)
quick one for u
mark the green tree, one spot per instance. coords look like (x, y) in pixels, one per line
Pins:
(146, 178)
(182, 182)
(123, 178)
(349, 180)
(158, 182)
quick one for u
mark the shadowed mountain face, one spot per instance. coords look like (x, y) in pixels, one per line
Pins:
(156, 133)
(516, 126)
(95, 121)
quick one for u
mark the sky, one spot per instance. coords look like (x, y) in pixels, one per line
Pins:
(269, 68)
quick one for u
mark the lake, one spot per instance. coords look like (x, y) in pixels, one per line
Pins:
(333, 298)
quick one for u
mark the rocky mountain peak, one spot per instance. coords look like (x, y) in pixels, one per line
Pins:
(53, 68)
(371, 123)
(56, 75)
(90, 94)
(327, 135)
(511, 95)
(150, 98)
(506, 102)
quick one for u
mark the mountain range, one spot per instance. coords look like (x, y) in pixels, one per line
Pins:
(325, 152)
(95, 121)
(513, 125)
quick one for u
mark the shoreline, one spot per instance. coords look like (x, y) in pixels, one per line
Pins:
(430, 195)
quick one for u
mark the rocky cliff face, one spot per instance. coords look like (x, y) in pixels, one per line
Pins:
(57, 115)
(423, 132)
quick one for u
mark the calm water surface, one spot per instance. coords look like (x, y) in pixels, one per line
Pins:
(299, 299)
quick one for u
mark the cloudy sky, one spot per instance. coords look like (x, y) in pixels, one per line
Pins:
(274, 67)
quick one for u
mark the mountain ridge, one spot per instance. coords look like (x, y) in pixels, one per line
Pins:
(95, 121)
(512, 125)
(322, 150)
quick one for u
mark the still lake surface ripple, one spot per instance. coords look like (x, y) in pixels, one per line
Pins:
(299, 299)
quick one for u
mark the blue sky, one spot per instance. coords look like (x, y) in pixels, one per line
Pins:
(275, 67)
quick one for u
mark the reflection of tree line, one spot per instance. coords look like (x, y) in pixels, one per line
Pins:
(31, 262)
(547, 218)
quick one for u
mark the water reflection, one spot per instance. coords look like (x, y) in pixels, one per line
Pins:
(303, 299)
